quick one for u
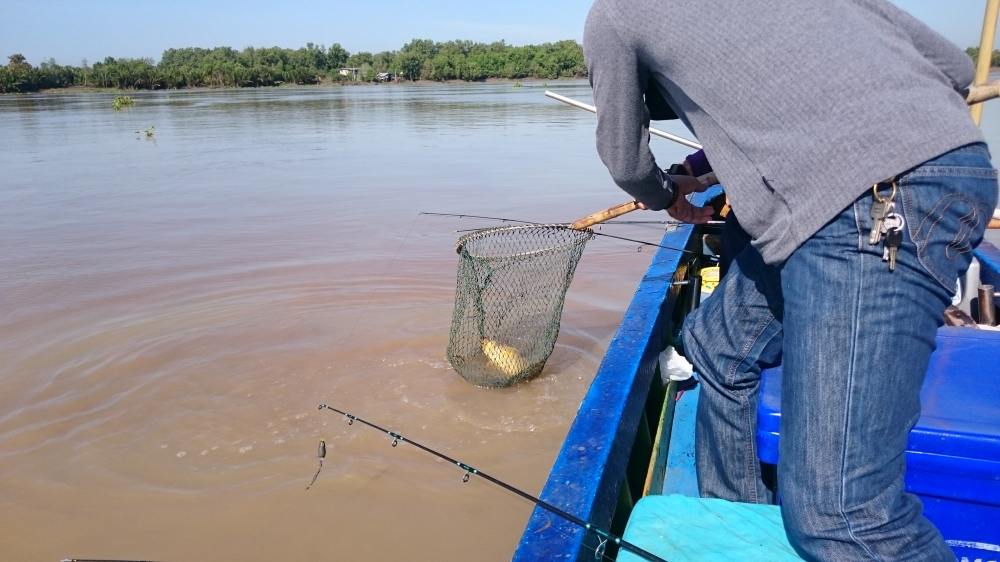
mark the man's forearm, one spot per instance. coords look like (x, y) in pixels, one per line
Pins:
(618, 80)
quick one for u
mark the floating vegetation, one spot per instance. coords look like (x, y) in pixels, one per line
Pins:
(148, 132)
(518, 84)
(122, 102)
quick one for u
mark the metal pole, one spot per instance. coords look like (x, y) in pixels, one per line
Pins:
(985, 52)
(694, 287)
(983, 91)
(987, 313)
(652, 131)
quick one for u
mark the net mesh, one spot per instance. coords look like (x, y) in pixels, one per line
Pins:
(509, 300)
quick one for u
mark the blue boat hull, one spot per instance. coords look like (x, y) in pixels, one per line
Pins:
(629, 437)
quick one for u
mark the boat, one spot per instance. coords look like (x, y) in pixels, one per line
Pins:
(630, 449)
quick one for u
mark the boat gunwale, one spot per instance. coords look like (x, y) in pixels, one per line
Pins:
(587, 476)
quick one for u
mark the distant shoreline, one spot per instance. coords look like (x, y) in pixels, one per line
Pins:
(994, 72)
(993, 75)
(185, 67)
(321, 85)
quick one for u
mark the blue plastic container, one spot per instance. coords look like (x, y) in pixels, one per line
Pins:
(953, 456)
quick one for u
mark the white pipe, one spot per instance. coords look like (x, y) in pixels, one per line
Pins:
(652, 131)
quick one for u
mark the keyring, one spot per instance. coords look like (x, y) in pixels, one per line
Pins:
(892, 196)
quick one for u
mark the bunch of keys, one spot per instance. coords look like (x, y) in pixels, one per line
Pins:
(887, 223)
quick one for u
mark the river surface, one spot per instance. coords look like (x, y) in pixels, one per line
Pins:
(173, 307)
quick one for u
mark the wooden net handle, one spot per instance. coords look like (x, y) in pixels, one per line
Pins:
(605, 215)
(979, 94)
(983, 92)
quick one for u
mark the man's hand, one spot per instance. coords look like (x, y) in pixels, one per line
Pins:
(682, 209)
(709, 179)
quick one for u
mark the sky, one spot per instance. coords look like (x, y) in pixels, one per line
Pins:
(72, 30)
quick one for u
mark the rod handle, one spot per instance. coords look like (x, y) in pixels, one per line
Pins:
(605, 215)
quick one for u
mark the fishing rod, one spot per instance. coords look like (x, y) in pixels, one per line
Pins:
(616, 237)
(466, 216)
(636, 241)
(603, 535)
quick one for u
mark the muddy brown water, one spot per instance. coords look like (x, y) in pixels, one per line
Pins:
(173, 308)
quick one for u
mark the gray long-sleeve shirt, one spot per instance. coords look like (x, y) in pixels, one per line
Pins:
(801, 105)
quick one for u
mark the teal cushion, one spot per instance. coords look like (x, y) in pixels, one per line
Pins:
(682, 529)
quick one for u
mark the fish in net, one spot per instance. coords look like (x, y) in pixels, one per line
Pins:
(512, 282)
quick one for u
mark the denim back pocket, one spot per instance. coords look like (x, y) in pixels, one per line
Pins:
(947, 204)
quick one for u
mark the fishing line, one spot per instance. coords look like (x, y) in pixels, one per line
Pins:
(403, 241)
(616, 237)
(599, 549)
(102, 560)
(604, 537)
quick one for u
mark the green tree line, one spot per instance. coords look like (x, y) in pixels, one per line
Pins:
(974, 53)
(420, 59)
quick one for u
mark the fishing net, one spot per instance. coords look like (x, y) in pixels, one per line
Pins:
(509, 300)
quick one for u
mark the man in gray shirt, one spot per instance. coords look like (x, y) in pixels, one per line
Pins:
(823, 119)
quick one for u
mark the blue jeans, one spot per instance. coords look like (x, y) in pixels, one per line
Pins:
(854, 339)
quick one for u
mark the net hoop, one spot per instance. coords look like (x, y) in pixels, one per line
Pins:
(509, 294)
(460, 245)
